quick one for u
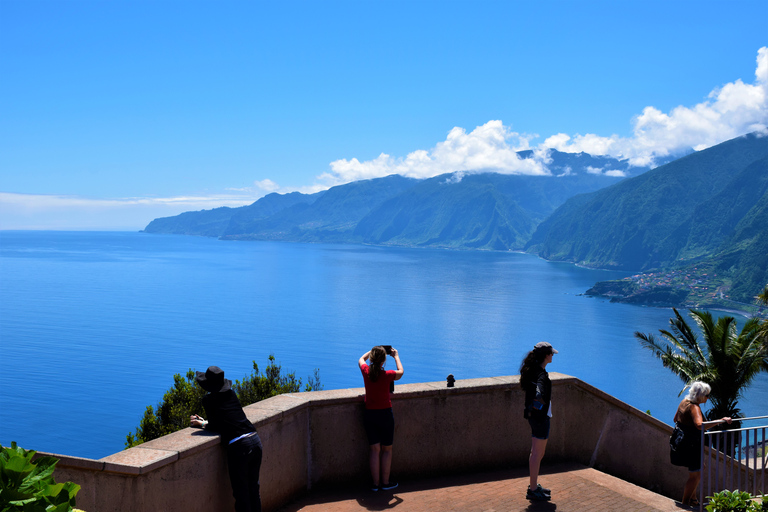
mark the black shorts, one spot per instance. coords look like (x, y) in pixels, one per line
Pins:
(380, 426)
(694, 458)
(539, 427)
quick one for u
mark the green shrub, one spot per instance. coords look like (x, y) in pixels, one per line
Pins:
(27, 486)
(735, 501)
(184, 399)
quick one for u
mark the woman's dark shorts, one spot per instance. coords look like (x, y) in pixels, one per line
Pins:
(539, 427)
(380, 426)
(694, 459)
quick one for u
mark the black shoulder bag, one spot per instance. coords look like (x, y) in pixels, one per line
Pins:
(678, 447)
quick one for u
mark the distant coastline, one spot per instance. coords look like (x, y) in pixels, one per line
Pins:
(672, 295)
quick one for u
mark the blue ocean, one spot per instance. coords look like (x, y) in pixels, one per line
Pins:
(93, 325)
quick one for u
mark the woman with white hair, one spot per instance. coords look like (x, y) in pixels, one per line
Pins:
(691, 421)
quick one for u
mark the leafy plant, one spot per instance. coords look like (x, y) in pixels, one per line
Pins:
(257, 387)
(27, 486)
(762, 300)
(726, 360)
(184, 399)
(735, 501)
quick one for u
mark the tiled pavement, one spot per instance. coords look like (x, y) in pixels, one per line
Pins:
(575, 488)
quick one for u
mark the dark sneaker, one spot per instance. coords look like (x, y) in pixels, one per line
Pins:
(542, 489)
(389, 486)
(537, 495)
(374, 488)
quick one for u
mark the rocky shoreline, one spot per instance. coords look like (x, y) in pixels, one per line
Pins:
(628, 291)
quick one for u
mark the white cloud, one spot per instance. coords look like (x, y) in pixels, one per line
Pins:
(615, 173)
(734, 109)
(266, 185)
(38, 211)
(490, 147)
(729, 111)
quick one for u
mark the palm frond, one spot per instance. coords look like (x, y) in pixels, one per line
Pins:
(724, 358)
(762, 297)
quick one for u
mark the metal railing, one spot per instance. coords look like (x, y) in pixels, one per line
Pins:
(733, 459)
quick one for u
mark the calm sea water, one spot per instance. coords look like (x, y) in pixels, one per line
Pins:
(94, 325)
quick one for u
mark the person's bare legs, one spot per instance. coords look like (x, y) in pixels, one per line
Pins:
(375, 460)
(534, 461)
(386, 463)
(690, 486)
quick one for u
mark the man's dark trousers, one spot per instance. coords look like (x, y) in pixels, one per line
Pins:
(244, 461)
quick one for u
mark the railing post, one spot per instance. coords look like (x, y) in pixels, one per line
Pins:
(717, 465)
(764, 463)
(701, 458)
(737, 450)
(735, 458)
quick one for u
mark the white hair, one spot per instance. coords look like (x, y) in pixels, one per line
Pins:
(698, 391)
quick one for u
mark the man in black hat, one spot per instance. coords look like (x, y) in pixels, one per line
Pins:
(226, 417)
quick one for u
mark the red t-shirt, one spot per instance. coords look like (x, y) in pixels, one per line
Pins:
(377, 393)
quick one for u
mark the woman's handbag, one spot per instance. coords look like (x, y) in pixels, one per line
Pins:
(678, 447)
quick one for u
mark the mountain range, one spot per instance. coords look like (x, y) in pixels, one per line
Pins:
(704, 214)
(461, 211)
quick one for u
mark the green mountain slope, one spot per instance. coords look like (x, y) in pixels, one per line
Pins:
(203, 223)
(696, 225)
(488, 211)
(331, 218)
(216, 221)
(637, 223)
(713, 223)
(478, 211)
(744, 257)
(443, 214)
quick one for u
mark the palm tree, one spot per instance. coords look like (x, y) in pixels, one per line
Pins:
(725, 360)
(762, 299)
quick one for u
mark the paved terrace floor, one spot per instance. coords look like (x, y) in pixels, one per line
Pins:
(575, 488)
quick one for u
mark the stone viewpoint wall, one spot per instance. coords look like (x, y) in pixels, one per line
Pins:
(317, 439)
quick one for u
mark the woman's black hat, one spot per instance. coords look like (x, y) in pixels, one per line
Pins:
(213, 380)
(545, 347)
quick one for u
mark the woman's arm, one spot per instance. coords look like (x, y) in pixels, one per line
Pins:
(543, 389)
(361, 362)
(399, 371)
(197, 421)
(698, 419)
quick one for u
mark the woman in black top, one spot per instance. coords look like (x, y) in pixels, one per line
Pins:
(534, 379)
(226, 417)
(690, 419)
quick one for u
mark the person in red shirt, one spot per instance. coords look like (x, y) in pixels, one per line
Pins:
(379, 420)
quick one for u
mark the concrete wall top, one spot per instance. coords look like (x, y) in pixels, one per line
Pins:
(317, 438)
(170, 448)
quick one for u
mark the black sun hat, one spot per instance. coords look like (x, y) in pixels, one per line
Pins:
(213, 380)
(543, 346)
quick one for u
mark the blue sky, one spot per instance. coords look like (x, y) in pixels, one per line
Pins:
(113, 113)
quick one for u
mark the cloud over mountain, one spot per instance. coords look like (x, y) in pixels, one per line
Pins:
(729, 111)
(734, 109)
(490, 147)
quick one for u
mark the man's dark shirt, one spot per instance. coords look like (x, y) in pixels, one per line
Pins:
(226, 416)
